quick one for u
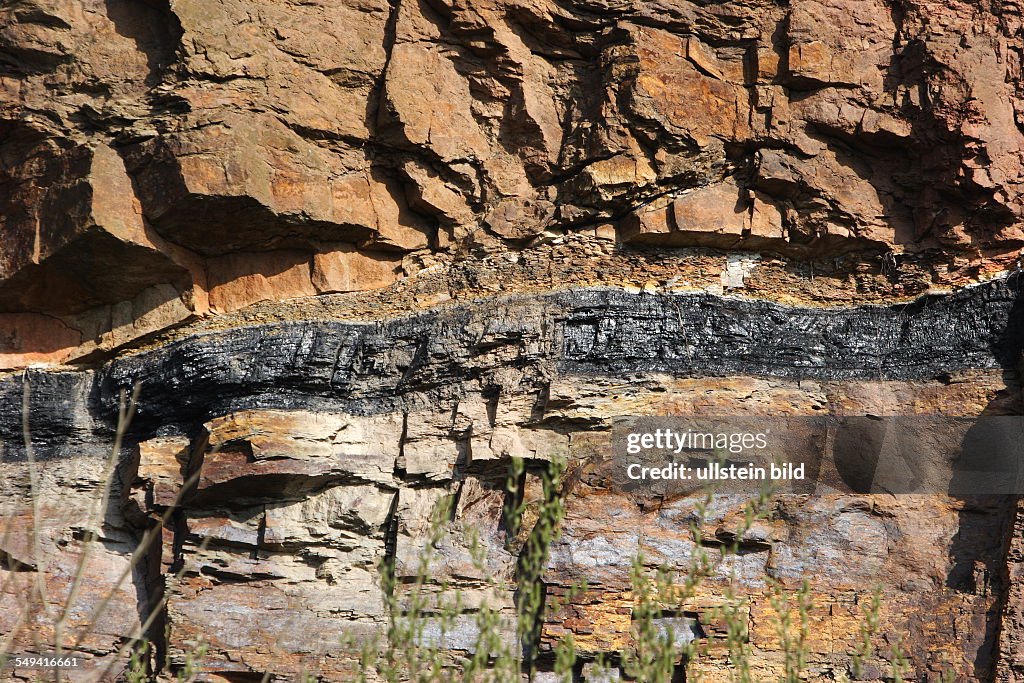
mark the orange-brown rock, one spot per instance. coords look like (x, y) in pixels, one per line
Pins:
(162, 140)
(334, 240)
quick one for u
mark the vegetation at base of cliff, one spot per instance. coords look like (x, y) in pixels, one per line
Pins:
(428, 619)
(134, 660)
(657, 653)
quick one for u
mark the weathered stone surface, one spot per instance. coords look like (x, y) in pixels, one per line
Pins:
(349, 270)
(1010, 666)
(266, 449)
(44, 519)
(360, 254)
(723, 216)
(167, 140)
(156, 475)
(87, 203)
(238, 280)
(330, 451)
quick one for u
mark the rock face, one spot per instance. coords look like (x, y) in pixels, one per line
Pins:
(166, 159)
(275, 466)
(360, 254)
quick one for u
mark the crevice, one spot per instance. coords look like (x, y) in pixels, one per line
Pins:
(531, 591)
(390, 541)
(375, 104)
(400, 464)
(9, 563)
(156, 586)
(261, 537)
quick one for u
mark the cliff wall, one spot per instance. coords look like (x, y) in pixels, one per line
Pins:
(359, 254)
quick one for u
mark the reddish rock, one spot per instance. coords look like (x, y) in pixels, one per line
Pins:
(237, 280)
(351, 270)
(182, 167)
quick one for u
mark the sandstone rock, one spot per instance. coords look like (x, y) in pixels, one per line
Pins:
(349, 270)
(297, 59)
(48, 563)
(78, 201)
(430, 194)
(362, 509)
(281, 631)
(32, 338)
(430, 446)
(651, 220)
(822, 54)
(519, 219)
(157, 475)
(435, 110)
(238, 280)
(363, 254)
(255, 445)
(676, 76)
(251, 179)
(705, 217)
(1010, 667)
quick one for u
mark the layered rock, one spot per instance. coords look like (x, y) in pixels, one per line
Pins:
(361, 254)
(276, 466)
(167, 160)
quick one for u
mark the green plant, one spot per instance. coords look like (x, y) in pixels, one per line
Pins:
(190, 670)
(898, 661)
(535, 553)
(867, 629)
(655, 652)
(424, 610)
(407, 653)
(794, 645)
(138, 664)
(734, 613)
(653, 656)
(565, 658)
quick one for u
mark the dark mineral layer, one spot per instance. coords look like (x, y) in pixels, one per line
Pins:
(412, 362)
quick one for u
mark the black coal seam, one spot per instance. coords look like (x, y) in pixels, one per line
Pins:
(430, 358)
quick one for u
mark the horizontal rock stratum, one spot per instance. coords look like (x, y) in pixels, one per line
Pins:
(360, 254)
(432, 358)
(319, 447)
(170, 159)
